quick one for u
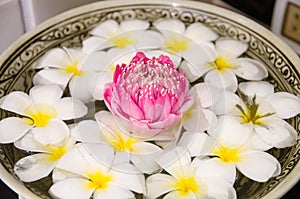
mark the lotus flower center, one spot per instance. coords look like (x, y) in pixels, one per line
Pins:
(185, 185)
(56, 152)
(152, 79)
(227, 155)
(98, 180)
(73, 69)
(176, 45)
(122, 42)
(39, 115)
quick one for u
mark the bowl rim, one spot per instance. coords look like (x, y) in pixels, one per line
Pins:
(282, 188)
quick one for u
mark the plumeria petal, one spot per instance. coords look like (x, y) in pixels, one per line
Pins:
(172, 160)
(12, 129)
(207, 95)
(259, 166)
(45, 94)
(196, 120)
(88, 131)
(38, 79)
(192, 72)
(148, 40)
(215, 168)
(277, 133)
(53, 76)
(69, 108)
(78, 87)
(92, 44)
(113, 192)
(145, 162)
(230, 47)
(260, 89)
(159, 184)
(285, 104)
(217, 188)
(257, 143)
(15, 102)
(97, 84)
(250, 69)
(145, 148)
(134, 24)
(177, 194)
(96, 61)
(105, 29)
(200, 32)
(53, 58)
(231, 131)
(109, 123)
(129, 177)
(167, 25)
(227, 104)
(85, 162)
(34, 167)
(28, 143)
(79, 187)
(59, 175)
(225, 79)
(197, 143)
(55, 132)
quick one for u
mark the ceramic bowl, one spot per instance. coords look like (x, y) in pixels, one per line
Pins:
(71, 28)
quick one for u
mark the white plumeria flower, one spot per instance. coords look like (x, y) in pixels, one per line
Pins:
(71, 67)
(127, 148)
(230, 153)
(39, 165)
(95, 177)
(129, 34)
(200, 116)
(264, 111)
(193, 43)
(187, 179)
(40, 112)
(225, 65)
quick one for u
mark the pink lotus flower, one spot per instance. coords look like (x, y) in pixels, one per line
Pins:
(149, 95)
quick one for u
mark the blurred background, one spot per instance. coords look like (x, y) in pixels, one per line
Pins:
(19, 16)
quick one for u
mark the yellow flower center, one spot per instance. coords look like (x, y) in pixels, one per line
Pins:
(221, 64)
(227, 155)
(185, 185)
(122, 144)
(251, 114)
(73, 69)
(98, 180)
(56, 152)
(175, 45)
(39, 115)
(122, 42)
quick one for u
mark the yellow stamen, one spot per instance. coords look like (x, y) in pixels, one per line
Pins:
(56, 152)
(185, 185)
(39, 115)
(175, 45)
(122, 42)
(227, 155)
(98, 180)
(221, 64)
(73, 69)
(122, 144)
